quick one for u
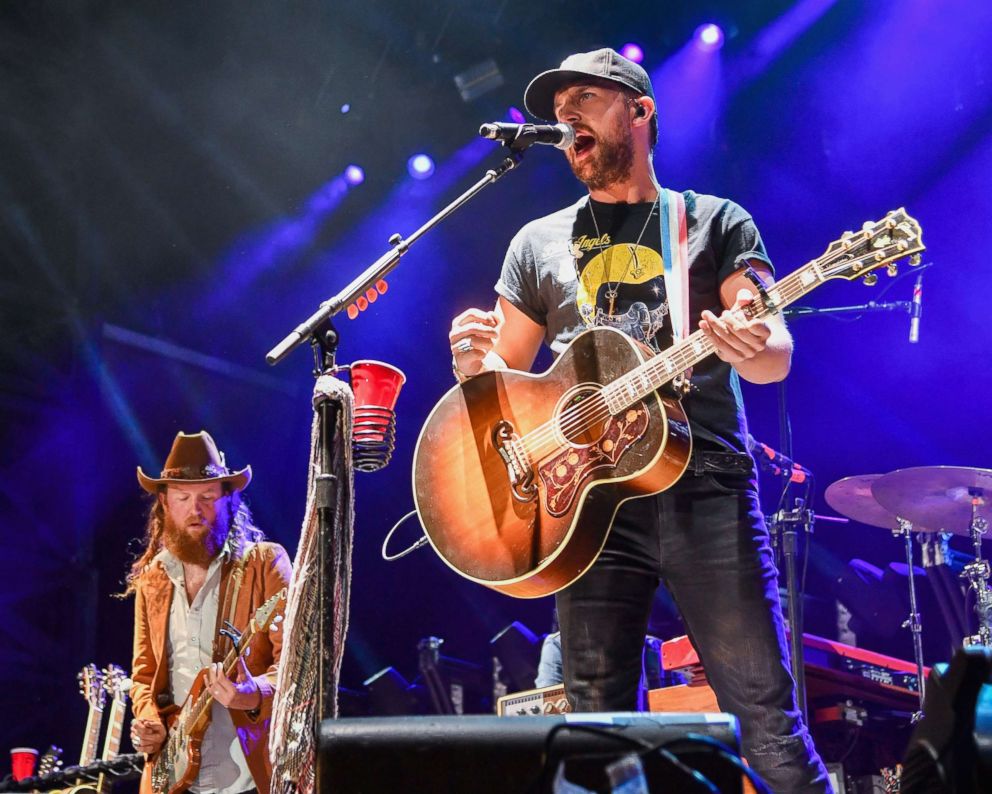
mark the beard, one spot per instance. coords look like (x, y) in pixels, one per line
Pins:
(195, 545)
(611, 162)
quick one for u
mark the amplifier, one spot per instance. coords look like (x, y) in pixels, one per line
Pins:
(534, 702)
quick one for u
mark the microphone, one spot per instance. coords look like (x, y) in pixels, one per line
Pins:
(777, 463)
(915, 310)
(561, 135)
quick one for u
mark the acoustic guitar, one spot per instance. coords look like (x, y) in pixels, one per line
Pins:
(517, 476)
(177, 764)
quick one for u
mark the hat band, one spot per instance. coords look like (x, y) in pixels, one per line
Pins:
(194, 472)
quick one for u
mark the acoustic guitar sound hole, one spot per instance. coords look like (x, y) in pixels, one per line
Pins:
(582, 416)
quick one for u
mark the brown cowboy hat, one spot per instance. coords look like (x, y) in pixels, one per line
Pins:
(194, 458)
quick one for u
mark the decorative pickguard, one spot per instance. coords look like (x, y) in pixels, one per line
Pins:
(563, 474)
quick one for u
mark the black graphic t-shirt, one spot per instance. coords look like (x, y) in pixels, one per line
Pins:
(596, 264)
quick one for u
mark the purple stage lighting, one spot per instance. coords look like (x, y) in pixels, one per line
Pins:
(345, 107)
(516, 115)
(420, 166)
(632, 52)
(354, 175)
(709, 36)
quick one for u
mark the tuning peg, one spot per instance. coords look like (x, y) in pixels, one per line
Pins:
(867, 226)
(871, 279)
(892, 269)
(915, 259)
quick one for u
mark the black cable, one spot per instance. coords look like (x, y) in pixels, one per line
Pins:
(726, 753)
(610, 732)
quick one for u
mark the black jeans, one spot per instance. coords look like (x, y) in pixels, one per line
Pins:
(706, 539)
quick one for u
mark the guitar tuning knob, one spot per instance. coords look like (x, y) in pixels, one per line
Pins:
(871, 279)
(915, 259)
(892, 269)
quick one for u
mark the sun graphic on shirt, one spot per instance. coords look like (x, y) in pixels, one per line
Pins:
(625, 263)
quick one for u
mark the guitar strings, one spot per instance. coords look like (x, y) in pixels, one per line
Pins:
(589, 412)
(596, 408)
(694, 348)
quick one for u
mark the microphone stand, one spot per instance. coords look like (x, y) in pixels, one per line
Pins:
(789, 521)
(319, 330)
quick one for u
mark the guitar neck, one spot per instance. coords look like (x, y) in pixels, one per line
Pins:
(91, 739)
(202, 703)
(115, 730)
(663, 368)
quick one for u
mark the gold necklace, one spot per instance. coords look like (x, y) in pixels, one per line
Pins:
(612, 290)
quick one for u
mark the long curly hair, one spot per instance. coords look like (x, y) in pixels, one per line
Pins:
(241, 531)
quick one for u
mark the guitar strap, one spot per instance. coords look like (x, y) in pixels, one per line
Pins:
(675, 260)
(233, 588)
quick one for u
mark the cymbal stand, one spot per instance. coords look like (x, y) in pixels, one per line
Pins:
(977, 573)
(913, 623)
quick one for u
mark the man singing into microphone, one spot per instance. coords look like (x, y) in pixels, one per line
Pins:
(651, 262)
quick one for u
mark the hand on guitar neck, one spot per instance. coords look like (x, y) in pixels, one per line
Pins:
(243, 694)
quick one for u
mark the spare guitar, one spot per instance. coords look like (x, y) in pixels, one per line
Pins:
(177, 764)
(91, 686)
(116, 684)
(517, 476)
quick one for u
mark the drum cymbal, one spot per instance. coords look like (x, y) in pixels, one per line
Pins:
(938, 497)
(852, 497)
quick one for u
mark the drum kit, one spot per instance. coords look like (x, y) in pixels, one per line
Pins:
(927, 501)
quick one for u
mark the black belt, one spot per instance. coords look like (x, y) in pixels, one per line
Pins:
(727, 462)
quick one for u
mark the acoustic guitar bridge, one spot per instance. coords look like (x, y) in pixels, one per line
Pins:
(518, 468)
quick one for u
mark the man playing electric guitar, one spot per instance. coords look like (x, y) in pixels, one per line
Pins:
(652, 262)
(205, 565)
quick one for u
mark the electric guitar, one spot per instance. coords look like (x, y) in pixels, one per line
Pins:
(117, 685)
(177, 764)
(517, 476)
(91, 686)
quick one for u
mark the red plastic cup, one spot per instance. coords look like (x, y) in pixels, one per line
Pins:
(376, 386)
(22, 761)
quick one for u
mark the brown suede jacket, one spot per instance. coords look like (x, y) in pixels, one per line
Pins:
(266, 571)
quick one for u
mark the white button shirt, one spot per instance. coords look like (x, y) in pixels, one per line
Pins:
(223, 769)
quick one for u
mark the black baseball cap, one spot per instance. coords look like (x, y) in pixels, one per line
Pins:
(605, 64)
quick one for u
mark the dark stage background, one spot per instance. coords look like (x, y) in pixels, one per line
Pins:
(172, 202)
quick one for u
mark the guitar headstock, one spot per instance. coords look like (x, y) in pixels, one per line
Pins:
(116, 682)
(883, 242)
(91, 686)
(50, 762)
(266, 613)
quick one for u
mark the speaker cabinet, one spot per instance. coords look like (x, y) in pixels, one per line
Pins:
(483, 754)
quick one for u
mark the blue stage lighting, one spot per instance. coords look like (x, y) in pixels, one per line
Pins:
(420, 166)
(709, 36)
(346, 107)
(354, 175)
(632, 52)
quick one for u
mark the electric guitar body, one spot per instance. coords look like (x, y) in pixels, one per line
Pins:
(531, 530)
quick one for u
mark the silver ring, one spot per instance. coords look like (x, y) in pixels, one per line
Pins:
(463, 346)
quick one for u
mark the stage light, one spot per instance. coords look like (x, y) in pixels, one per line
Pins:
(420, 166)
(632, 52)
(354, 175)
(345, 107)
(516, 115)
(709, 36)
